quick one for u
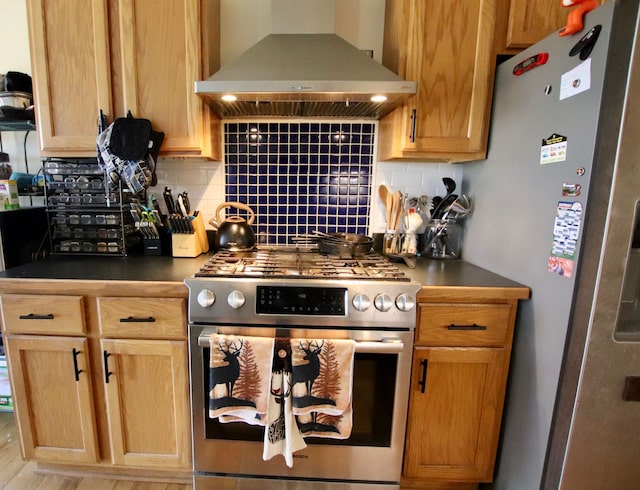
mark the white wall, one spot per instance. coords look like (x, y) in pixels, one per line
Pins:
(245, 22)
(14, 56)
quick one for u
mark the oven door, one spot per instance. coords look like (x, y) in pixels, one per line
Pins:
(373, 452)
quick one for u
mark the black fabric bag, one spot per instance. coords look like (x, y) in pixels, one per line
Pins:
(130, 138)
(128, 150)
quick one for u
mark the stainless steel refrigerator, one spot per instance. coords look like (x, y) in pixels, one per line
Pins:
(557, 209)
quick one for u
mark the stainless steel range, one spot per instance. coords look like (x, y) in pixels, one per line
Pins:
(299, 293)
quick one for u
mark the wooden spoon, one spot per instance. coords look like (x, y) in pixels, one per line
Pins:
(386, 198)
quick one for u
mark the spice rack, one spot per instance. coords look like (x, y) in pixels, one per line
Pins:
(85, 216)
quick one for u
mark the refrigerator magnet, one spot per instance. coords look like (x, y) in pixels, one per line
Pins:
(530, 63)
(571, 190)
(553, 149)
(586, 44)
(566, 231)
(576, 81)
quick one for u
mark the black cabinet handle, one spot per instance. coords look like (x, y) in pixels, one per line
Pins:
(412, 136)
(466, 327)
(107, 373)
(423, 382)
(133, 319)
(33, 316)
(76, 371)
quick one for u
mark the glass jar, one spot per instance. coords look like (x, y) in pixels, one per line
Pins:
(393, 242)
(443, 239)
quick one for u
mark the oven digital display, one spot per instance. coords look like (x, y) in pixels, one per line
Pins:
(291, 300)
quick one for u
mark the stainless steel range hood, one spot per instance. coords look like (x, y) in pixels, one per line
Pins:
(304, 75)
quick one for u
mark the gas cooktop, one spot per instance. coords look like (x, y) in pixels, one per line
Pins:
(299, 263)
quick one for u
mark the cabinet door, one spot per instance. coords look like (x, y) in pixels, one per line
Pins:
(531, 21)
(121, 55)
(454, 421)
(147, 390)
(72, 81)
(449, 50)
(161, 53)
(53, 398)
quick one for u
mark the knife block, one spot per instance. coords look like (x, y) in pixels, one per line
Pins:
(190, 244)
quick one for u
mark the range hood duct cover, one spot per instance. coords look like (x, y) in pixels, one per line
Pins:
(304, 75)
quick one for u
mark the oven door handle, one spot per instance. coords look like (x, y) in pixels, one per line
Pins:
(388, 345)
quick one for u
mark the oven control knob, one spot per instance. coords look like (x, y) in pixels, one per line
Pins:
(206, 298)
(361, 302)
(405, 302)
(235, 299)
(383, 302)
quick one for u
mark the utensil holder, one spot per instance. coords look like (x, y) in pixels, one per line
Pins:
(443, 239)
(392, 242)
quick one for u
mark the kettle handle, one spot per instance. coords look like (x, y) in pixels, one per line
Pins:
(237, 205)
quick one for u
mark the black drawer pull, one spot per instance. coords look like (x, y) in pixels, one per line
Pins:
(33, 316)
(76, 371)
(466, 327)
(133, 319)
(107, 373)
(423, 382)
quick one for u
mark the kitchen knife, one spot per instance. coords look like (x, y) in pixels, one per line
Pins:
(181, 206)
(185, 201)
(168, 200)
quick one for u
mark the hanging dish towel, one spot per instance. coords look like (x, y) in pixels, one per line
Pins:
(239, 378)
(322, 379)
(281, 435)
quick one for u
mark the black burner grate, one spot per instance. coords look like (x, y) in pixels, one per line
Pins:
(300, 263)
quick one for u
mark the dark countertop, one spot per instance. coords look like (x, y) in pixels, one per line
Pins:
(456, 273)
(136, 268)
(429, 272)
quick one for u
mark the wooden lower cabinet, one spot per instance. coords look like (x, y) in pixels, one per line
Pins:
(452, 420)
(146, 383)
(460, 365)
(53, 398)
(107, 392)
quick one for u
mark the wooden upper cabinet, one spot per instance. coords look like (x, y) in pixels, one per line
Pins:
(69, 44)
(141, 56)
(447, 47)
(525, 22)
(161, 52)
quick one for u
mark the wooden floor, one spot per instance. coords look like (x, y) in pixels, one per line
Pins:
(16, 474)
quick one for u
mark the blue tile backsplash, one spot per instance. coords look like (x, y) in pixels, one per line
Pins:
(301, 176)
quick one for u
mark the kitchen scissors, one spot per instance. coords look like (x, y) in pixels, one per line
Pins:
(148, 216)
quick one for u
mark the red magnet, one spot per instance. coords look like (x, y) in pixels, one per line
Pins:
(530, 63)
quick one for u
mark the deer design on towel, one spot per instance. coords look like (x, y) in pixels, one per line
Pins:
(316, 372)
(308, 372)
(228, 373)
(235, 369)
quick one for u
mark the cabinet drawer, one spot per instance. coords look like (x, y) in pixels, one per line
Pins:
(148, 318)
(455, 324)
(43, 314)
